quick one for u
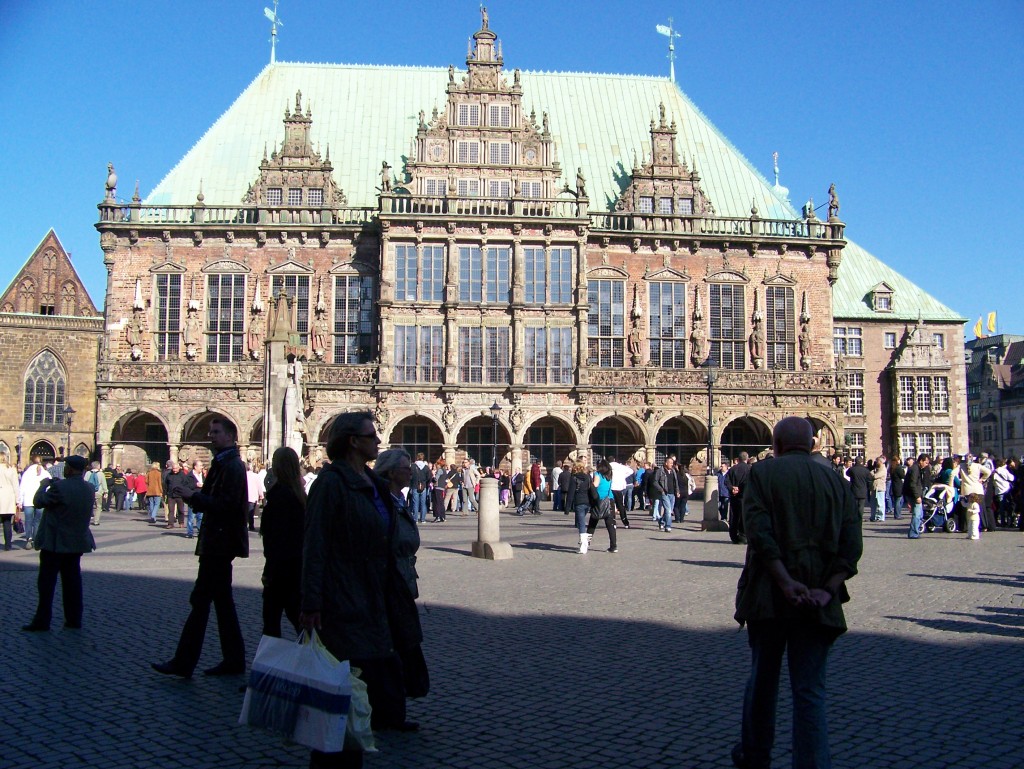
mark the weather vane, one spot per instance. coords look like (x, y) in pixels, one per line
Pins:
(275, 21)
(671, 34)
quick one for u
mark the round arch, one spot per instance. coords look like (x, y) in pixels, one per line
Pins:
(480, 438)
(550, 440)
(617, 435)
(682, 435)
(42, 449)
(195, 427)
(827, 432)
(746, 433)
(418, 433)
(144, 437)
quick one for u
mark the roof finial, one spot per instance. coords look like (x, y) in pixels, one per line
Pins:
(275, 21)
(136, 198)
(671, 34)
(483, 17)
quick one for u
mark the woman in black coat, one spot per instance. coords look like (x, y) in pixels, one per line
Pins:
(282, 527)
(577, 498)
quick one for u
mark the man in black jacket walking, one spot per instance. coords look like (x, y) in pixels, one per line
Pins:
(223, 537)
(860, 482)
(737, 480)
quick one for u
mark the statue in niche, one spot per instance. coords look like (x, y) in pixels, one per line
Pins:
(134, 334)
(698, 344)
(320, 335)
(833, 202)
(757, 340)
(805, 345)
(255, 336)
(635, 345)
(192, 332)
(294, 425)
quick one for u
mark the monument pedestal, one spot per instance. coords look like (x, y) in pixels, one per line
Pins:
(711, 520)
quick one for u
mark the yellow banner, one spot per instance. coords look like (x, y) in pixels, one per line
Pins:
(977, 328)
(991, 323)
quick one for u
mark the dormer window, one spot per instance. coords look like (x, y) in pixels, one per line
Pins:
(882, 298)
(295, 196)
(273, 196)
(646, 205)
(664, 205)
(316, 197)
(501, 153)
(501, 116)
(684, 206)
(469, 114)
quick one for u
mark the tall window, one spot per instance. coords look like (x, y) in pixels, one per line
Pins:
(924, 393)
(406, 272)
(297, 288)
(606, 323)
(781, 328)
(225, 317)
(908, 445)
(419, 353)
(561, 275)
(353, 318)
(727, 327)
(668, 324)
(549, 355)
(432, 260)
(855, 443)
(847, 340)
(906, 393)
(168, 317)
(536, 275)
(500, 190)
(468, 152)
(501, 116)
(471, 355)
(471, 276)
(500, 153)
(469, 114)
(498, 264)
(943, 445)
(531, 189)
(855, 381)
(469, 188)
(44, 391)
(496, 354)
(940, 394)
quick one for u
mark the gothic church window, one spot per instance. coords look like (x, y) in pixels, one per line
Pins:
(44, 391)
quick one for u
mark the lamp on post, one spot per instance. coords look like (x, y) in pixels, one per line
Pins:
(712, 521)
(495, 412)
(21, 440)
(69, 414)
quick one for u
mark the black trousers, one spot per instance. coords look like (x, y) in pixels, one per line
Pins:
(8, 523)
(282, 592)
(609, 522)
(69, 567)
(213, 586)
(735, 518)
(620, 503)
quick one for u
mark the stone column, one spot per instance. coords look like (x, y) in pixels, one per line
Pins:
(172, 449)
(488, 543)
(106, 455)
(516, 458)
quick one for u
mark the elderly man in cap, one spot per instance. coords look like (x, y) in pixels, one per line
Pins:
(803, 542)
(62, 537)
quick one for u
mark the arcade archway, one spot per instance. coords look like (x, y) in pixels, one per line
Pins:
(682, 436)
(615, 437)
(549, 441)
(144, 440)
(418, 434)
(744, 434)
(477, 439)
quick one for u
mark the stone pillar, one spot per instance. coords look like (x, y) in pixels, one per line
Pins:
(488, 543)
(515, 458)
(711, 520)
(107, 455)
(118, 453)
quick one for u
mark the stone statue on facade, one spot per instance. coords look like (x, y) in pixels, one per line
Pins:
(111, 185)
(320, 335)
(255, 335)
(381, 415)
(294, 410)
(192, 332)
(448, 417)
(581, 184)
(757, 340)
(635, 345)
(582, 416)
(805, 345)
(833, 202)
(385, 177)
(134, 334)
(516, 418)
(698, 344)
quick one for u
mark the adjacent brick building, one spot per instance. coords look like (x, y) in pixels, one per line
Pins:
(583, 252)
(995, 395)
(50, 333)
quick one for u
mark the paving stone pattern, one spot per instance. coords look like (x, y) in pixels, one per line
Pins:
(551, 659)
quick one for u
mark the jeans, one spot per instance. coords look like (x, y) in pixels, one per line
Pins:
(877, 501)
(195, 522)
(557, 499)
(419, 504)
(656, 510)
(723, 508)
(581, 518)
(154, 507)
(32, 516)
(916, 514)
(668, 503)
(889, 506)
(627, 498)
(806, 645)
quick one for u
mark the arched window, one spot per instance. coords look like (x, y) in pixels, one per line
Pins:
(44, 391)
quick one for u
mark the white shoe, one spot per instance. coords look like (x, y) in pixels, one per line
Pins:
(584, 543)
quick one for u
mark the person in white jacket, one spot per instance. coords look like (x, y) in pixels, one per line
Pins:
(30, 480)
(973, 477)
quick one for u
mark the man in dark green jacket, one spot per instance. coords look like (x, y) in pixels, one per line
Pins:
(223, 537)
(803, 533)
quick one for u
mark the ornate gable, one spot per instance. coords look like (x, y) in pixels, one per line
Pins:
(48, 284)
(664, 185)
(482, 145)
(295, 175)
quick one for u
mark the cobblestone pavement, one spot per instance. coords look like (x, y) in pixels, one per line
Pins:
(551, 659)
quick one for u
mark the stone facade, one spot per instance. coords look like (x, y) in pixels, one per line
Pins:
(477, 281)
(995, 395)
(50, 335)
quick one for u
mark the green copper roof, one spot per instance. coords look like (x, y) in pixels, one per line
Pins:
(368, 114)
(861, 271)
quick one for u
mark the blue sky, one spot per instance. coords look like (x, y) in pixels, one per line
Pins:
(913, 109)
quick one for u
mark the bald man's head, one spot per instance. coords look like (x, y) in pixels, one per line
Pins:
(792, 434)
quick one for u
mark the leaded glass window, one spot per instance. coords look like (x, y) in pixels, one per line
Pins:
(44, 391)
(353, 318)
(728, 331)
(668, 324)
(167, 311)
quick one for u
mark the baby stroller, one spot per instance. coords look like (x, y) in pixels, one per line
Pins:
(526, 504)
(938, 509)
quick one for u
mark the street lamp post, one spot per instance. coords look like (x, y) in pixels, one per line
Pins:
(712, 521)
(69, 414)
(495, 411)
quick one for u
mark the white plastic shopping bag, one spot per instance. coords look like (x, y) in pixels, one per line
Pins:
(300, 690)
